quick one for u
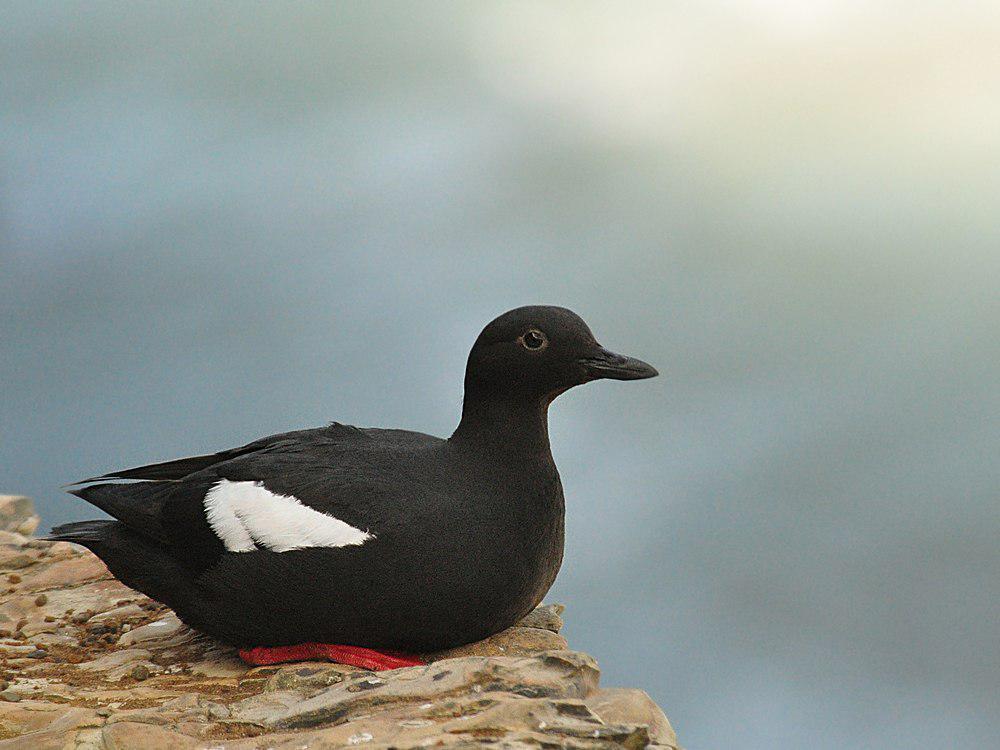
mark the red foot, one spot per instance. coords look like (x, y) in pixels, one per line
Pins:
(355, 656)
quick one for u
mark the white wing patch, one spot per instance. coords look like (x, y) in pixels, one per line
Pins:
(247, 516)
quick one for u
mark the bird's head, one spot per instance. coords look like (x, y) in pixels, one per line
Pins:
(541, 351)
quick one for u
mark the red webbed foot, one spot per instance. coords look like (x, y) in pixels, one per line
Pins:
(354, 656)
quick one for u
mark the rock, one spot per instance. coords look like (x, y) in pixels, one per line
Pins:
(16, 562)
(159, 630)
(17, 514)
(515, 641)
(116, 664)
(306, 677)
(119, 613)
(87, 663)
(632, 706)
(131, 735)
(562, 674)
(70, 572)
(545, 617)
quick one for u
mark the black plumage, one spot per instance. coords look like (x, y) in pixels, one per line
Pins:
(459, 537)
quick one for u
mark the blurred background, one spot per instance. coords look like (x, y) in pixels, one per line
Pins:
(219, 221)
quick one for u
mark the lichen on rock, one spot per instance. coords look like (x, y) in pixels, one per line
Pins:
(87, 663)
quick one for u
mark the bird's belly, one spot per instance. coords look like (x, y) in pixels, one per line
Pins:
(496, 581)
(407, 612)
(395, 591)
(467, 594)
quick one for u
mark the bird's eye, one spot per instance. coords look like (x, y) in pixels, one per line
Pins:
(534, 340)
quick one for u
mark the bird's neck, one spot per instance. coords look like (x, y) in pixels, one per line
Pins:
(504, 426)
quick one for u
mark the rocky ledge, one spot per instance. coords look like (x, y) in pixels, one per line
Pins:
(86, 663)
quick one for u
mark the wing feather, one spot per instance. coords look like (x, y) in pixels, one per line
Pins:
(182, 467)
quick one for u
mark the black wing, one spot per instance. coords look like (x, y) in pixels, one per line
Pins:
(182, 467)
(339, 470)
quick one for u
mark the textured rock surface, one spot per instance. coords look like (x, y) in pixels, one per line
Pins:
(86, 663)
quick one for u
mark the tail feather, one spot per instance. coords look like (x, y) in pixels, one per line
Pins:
(137, 505)
(163, 471)
(134, 559)
(85, 533)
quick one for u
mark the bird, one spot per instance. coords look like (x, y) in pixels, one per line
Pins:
(364, 546)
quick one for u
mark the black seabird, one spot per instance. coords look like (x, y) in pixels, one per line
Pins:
(362, 544)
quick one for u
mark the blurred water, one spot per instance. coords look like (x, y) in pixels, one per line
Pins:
(222, 221)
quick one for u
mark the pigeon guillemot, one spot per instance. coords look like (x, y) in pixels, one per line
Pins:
(361, 545)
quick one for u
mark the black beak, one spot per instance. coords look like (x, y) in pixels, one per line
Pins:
(605, 364)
